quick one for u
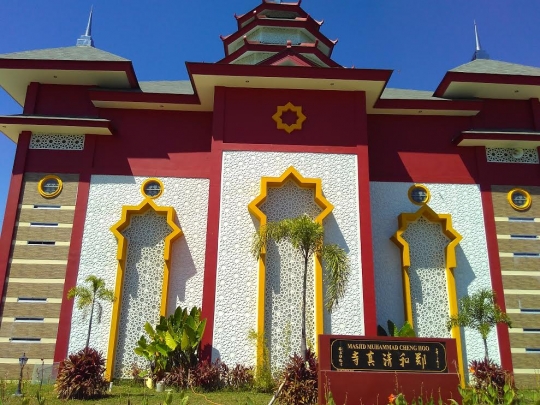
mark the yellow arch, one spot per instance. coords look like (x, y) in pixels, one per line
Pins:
(121, 256)
(267, 182)
(445, 220)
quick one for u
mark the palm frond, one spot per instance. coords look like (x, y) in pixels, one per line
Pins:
(337, 273)
(106, 294)
(82, 295)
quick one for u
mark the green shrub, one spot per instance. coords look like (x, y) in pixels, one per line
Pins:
(81, 376)
(300, 378)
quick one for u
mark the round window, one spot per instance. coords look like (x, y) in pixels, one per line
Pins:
(519, 199)
(152, 188)
(50, 186)
(419, 194)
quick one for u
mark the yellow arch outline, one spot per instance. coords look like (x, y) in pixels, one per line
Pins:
(445, 220)
(50, 177)
(121, 256)
(290, 174)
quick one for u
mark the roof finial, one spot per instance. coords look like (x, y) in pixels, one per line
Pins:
(479, 53)
(86, 39)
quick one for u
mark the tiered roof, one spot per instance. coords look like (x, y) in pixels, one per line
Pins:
(278, 34)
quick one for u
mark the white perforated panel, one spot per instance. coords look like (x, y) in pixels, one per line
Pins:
(236, 290)
(57, 141)
(429, 293)
(510, 155)
(143, 281)
(284, 272)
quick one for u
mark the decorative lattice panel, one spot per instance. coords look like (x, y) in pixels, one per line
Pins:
(509, 155)
(429, 293)
(57, 141)
(237, 269)
(143, 280)
(284, 277)
(189, 198)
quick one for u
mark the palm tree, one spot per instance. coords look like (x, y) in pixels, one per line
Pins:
(90, 296)
(307, 236)
(479, 312)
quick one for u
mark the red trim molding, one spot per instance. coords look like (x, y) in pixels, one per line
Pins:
(212, 230)
(495, 273)
(12, 208)
(72, 268)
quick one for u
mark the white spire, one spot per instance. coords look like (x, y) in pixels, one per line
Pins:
(479, 53)
(86, 39)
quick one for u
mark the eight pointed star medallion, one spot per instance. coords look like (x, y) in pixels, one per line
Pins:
(300, 117)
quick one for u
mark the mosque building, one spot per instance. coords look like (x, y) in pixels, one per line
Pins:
(158, 187)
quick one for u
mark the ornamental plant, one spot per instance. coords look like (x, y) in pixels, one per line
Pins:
(174, 342)
(300, 384)
(81, 375)
(91, 297)
(479, 312)
(307, 237)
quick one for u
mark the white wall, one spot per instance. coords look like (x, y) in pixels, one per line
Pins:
(463, 202)
(236, 291)
(108, 194)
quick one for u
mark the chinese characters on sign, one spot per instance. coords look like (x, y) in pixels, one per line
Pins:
(388, 355)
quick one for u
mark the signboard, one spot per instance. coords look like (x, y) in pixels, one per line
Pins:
(388, 355)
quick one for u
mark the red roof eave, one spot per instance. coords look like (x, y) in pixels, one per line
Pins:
(254, 47)
(463, 77)
(104, 66)
(140, 97)
(269, 6)
(437, 105)
(275, 23)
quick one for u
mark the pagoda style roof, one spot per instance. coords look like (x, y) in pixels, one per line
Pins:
(490, 79)
(496, 67)
(73, 53)
(73, 65)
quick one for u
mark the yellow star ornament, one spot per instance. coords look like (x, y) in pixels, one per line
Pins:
(300, 117)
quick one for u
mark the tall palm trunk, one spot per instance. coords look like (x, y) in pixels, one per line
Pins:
(90, 323)
(485, 347)
(303, 345)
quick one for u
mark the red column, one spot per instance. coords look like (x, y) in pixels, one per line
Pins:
(12, 207)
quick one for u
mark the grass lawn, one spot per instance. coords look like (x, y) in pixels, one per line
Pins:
(122, 393)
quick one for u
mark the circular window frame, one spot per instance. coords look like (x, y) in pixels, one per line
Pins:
(46, 178)
(152, 180)
(528, 201)
(426, 190)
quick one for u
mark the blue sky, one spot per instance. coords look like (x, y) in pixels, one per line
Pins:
(420, 40)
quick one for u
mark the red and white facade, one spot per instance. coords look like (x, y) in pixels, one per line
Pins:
(212, 140)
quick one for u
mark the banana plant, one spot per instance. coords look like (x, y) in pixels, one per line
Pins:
(174, 342)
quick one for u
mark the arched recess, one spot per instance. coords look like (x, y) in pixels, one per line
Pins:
(445, 220)
(122, 253)
(291, 174)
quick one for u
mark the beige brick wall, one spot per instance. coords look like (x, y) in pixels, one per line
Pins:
(13, 371)
(46, 310)
(28, 329)
(525, 320)
(526, 360)
(57, 216)
(68, 196)
(517, 228)
(32, 350)
(18, 270)
(26, 233)
(503, 209)
(40, 252)
(35, 290)
(525, 340)
(523, 283)
(520, 263)
(527, 301)
(527, 380)
(519, 245)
